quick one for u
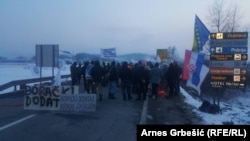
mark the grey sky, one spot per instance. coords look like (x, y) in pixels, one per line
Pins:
(131, 26)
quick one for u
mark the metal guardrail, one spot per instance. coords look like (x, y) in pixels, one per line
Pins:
(23, 82)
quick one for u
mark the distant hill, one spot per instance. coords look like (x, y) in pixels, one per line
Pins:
(83, 57)
(19, 59)
(124, 57)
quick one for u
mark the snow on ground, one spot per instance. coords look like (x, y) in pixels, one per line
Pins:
(236, 110)
(19, 71)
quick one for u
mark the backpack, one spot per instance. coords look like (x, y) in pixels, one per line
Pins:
(207, 107)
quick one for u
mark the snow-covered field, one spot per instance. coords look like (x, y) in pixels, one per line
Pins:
(19, 71)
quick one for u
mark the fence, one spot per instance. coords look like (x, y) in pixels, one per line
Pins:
(24, 82)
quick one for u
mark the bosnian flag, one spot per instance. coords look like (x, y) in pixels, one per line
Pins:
(194, 71)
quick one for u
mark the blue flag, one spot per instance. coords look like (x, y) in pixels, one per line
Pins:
(201, 35)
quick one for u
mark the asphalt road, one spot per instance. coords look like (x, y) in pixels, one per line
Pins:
(113, 120)
(170, 111)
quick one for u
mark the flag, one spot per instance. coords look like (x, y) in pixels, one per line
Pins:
(158, 59)
(201, 35)
(194, 71)
(57, 80)
(108, 53)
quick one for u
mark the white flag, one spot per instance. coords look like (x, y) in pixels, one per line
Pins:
(57, 79)
(158, 59)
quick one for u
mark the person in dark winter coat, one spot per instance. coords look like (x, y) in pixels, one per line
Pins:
(84, 75)
(146, 77)
(125, 75)
(155, 79)
(89, 79)
(171, 79)
(73, 73)
(178, 77)
(112, 80)
(79, 74)
(97, 74)
(139, 79)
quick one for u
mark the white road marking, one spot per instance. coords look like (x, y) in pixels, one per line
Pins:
(16, 122)
(144, 112)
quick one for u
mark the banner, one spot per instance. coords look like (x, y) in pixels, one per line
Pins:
(58, 98)
(162, 53)
(108, 53)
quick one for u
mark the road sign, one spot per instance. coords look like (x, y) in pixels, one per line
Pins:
(228, 59)
(227, 64)
(224, 57)
(220, 84)
(232, 78)
(227, 42)
(227, 71)
(229, 35)
(228, 50)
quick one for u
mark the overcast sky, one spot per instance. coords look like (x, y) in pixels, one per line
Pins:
(131, 26)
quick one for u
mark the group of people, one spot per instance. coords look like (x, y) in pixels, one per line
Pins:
(132, 78)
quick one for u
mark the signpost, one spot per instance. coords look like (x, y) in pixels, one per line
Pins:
(229, 42)
(229, 35)
(228, 64)
(223, 57)
(228, 84)
(234, 78)
(228, 59)
(227, 71)
(228, 50)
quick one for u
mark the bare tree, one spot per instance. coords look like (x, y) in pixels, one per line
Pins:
(223, 17)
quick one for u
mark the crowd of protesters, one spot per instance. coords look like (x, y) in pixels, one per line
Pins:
(141, 79)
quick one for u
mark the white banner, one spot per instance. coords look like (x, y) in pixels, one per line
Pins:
(108, 53)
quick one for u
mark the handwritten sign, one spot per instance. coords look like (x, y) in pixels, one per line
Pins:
(63, 98)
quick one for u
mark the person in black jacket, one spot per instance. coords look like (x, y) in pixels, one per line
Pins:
(171, 79)
(97, 74)
(88, 77)
(79, 74)
(178, 77)
(125, 75)
(112, 80)
(140, 77)
(73, 73)
(84, 75)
